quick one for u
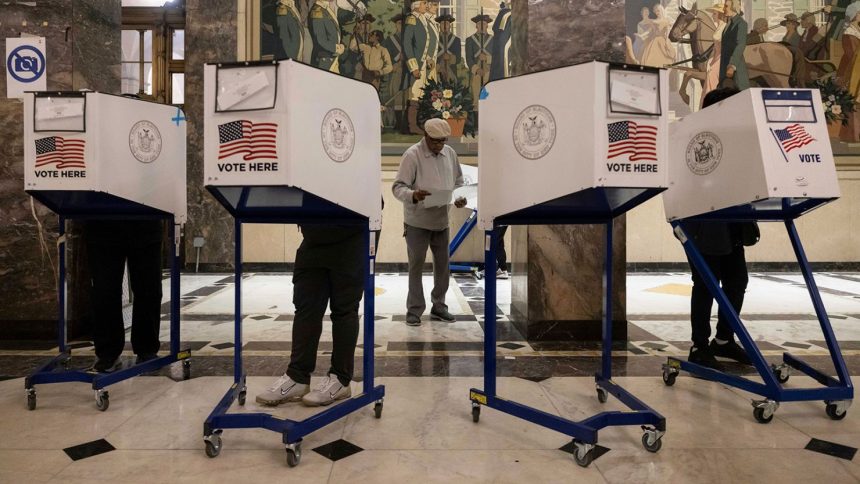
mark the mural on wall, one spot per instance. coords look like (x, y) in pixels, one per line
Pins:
(762, 43)
(425, 58)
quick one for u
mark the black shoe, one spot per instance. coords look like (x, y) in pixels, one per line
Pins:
(730, 350)
(145, 357)
(704, 357)
(106, 366)
(442, 315)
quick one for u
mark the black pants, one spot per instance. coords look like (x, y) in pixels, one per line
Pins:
(501, 254)
(731, 271)
(107, 263)
(314, 288)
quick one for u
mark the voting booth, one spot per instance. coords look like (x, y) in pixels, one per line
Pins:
(289, 143)
(760, 155)
(90, 155)
(575, 145)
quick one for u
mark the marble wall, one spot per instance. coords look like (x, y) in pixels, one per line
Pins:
(210, 33)
(83, 51)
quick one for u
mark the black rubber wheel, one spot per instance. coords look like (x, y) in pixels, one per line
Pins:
(781, 377)
(103, 402)
(669, 378)
(833, 412)
(31, 401)
(758, 413)
(377, 410)
(584, 460)
(242, 396)
(213, 449)
(476, 414)
(294, 457)
(653, 448)
(602, 395)
(186, 369)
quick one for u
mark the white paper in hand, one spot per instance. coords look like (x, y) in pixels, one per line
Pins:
(438, 198)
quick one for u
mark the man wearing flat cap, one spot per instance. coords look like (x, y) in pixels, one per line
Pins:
(426, 167)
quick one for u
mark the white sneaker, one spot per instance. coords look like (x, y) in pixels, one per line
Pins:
(282, 391)
(328, 391)
(500, 274)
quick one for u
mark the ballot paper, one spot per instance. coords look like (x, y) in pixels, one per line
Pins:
(240, 85)
(438, 198)
(470, 193)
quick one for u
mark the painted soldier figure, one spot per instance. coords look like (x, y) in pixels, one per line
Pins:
(393, 101)
(450, 51)
(500, 69)
(290, 29)
(432, 38)
(359, 37)
(415, 40)
(325, 32)
(478, 55)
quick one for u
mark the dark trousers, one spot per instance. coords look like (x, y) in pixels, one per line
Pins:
(731, 271)
(315, 288)
(107, 264)
(501, 254)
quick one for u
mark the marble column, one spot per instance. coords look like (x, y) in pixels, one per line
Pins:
(83, 51)
(557, 286)
(210, 33)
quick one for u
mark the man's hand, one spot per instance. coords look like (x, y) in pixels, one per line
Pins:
(416, 74)
(460, 202)
(828, 8)
(338, 49)
(730, 71)
(430, 65)
(419, 195)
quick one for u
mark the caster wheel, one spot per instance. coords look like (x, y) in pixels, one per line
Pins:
(31, 400)
(758, 413)
(294, 456)
(781, 373)
(669, 378)
(653, 447)
(476, 414)
(832, 411)
(102, 400)
(377, 410)
(602, 395)
(213, 446)
(242, 396)
(67, 363)
(186, 369)
(583, 457)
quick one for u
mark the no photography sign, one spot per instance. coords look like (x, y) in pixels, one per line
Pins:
(25, 66)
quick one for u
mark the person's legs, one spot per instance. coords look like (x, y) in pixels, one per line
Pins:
(417, 241)
(144, 271)
(735, 278)
(701, 302)
(501, 254)
(441, 270)
(107, 264)
(346, 292)
(311, 290)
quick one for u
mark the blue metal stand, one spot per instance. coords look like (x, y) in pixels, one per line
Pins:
(57, 369)
(837, 393)
(292, 431)
(584, 433)
(457, 241)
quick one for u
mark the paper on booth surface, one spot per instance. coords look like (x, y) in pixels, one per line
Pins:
(632, 96)
(438, 198)
(58, 108)
(237, 91)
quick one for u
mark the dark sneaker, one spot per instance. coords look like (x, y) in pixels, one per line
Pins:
(442, 315)
(106, 366)
(704, 357)
(730, 350)
(145, 357)
(413, 321)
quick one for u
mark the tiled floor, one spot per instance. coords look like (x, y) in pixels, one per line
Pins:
(152, 431)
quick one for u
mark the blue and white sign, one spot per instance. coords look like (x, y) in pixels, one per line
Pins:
(25, 66)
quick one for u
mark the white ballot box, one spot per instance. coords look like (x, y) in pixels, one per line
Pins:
(759, 150)
(280, 135)
(595, 129)
(90, 153)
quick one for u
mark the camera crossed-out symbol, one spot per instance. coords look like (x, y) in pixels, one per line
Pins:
(26, 64)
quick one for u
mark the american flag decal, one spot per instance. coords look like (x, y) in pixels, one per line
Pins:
(793, 137)
(252, 140)
(62, 152)
(630, 138)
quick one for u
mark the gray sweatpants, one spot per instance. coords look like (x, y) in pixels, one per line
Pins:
(417, 242)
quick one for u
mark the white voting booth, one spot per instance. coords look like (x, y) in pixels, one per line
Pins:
(263, 133)
(575, 145)
(592, 125)
(755, 149)
(96, 154)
